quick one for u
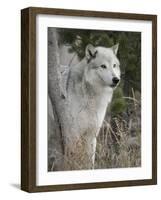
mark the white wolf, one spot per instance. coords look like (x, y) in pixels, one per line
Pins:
(88, 89)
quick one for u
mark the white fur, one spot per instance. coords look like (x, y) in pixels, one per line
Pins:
(89, 91)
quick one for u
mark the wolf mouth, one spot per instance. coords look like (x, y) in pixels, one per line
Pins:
(113, 85)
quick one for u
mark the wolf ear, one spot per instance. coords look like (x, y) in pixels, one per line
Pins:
(90, 52)
(115, 48)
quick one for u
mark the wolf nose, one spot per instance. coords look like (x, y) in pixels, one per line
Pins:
(115, 80)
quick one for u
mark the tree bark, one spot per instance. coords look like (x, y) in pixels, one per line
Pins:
(55, 135)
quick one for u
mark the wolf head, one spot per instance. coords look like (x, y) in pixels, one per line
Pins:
(103, 66)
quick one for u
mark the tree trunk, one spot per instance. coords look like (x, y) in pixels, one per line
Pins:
(59, 120)
(55, 137)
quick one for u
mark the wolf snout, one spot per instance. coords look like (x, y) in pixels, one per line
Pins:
(115, 80)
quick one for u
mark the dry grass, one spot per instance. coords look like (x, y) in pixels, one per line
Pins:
(119, 141)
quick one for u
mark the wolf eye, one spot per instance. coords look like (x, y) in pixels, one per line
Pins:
(114, 65)
(103, 66)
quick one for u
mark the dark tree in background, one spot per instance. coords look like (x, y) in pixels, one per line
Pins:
(129, 55)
